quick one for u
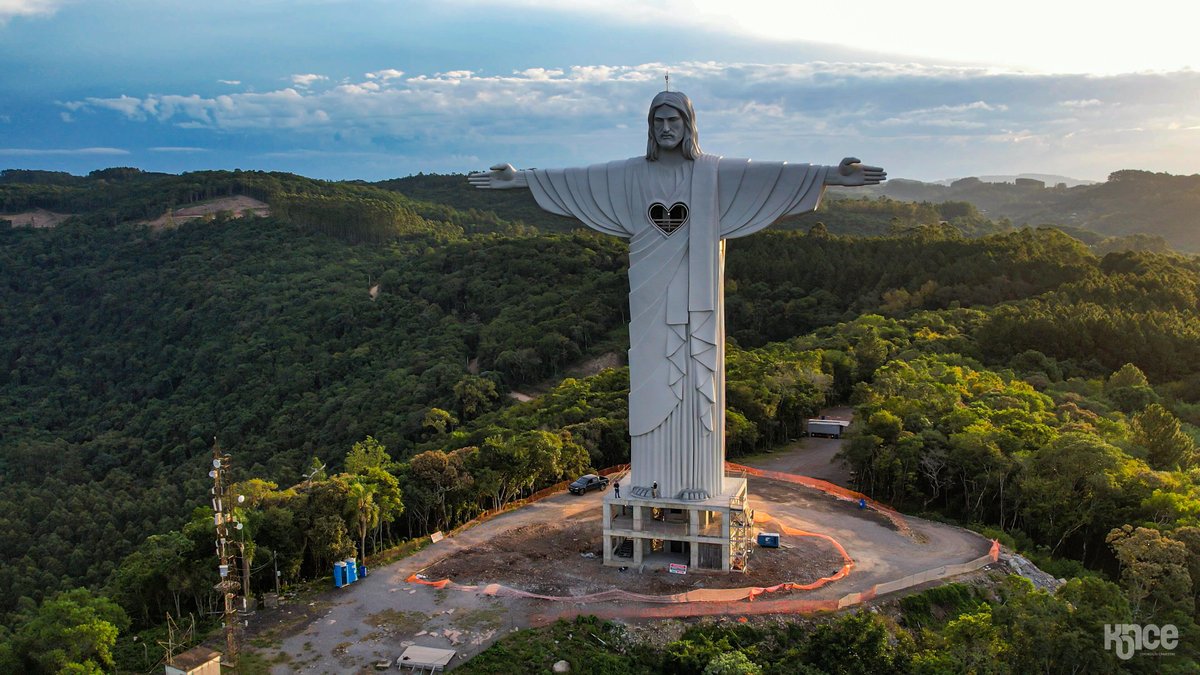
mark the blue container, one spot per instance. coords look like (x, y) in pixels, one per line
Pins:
(351, 571)
(362, 569)
(768, 539)
(339, 574)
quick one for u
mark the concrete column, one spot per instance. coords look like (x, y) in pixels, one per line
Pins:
(637, 519)
(637, 550)
(694, 563)
(606, 509)
(693, 522)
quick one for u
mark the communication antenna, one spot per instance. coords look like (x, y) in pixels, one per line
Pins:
(173, 643)
(667, 77)
(229, 584)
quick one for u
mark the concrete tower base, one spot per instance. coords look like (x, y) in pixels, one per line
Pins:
(712, 533)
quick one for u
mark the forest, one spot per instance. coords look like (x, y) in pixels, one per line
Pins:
(354, 353)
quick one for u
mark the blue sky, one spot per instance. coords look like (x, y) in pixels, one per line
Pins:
(370, 89)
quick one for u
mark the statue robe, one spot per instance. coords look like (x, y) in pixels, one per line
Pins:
(676, 292)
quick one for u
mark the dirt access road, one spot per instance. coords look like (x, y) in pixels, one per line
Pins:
(379, 616)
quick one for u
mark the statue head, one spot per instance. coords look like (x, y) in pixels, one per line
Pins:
(665, 103)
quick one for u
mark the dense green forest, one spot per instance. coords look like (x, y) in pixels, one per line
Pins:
(1018, 380)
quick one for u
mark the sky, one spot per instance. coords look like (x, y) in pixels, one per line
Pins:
(373, 89)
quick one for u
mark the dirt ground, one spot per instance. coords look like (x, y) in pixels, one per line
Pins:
(540, 548)
(565, 558)
(35, 218)
(238, 205)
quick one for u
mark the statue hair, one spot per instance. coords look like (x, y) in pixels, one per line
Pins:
(690, 145)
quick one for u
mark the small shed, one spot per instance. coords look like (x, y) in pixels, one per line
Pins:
(425, 659)
(195, 661)
(827, 427)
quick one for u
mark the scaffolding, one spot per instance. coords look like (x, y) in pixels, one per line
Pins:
(741, 535)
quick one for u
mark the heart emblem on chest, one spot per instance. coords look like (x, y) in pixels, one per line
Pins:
(668, 219)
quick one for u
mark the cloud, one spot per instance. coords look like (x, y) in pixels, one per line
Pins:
(40, 152)
(307, 80)
(177, 148)
(12, 8)
(385, 74)
(230, 82)
(575, 114)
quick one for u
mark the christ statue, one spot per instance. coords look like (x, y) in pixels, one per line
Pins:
(677, 206)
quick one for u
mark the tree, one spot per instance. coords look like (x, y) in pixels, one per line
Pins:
(440, 421)
(363, 511)
(1129, 389)
(732, 663)
(365, 454)
(1067, 483)
(475, 395)
(1154, 571)
(1128, 375)
(1159, 432)
(72, 632)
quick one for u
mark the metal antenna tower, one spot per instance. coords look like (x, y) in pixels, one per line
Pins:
(229, 584)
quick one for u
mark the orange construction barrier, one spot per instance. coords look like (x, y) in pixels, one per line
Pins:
(828, 488)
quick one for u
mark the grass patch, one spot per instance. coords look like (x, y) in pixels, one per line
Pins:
(480, 619)
(938, 606)
(397, 621)
(588, 644)
(250, 663)
(395, 553)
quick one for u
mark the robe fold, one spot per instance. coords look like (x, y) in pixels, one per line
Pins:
(676, 292)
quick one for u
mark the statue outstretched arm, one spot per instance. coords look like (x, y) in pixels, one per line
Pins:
(500, 177)
(852, 173)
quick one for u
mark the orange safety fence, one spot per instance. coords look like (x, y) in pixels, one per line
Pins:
(828, 488)
(706, 595)
(711, 602)
(847, 561)
(535, 497)
(772, 605)
(715, 602)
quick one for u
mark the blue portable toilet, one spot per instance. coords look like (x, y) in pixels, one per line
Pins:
(339, 574)
(351, 571)
(768, 539)
(362, 569)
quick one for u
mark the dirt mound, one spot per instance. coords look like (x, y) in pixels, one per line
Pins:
(565, 558)
(239, 206)
(36, 218)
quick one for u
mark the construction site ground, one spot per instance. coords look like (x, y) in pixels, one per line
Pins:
(538, 548)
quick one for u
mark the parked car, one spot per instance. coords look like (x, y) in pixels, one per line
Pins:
(588, 482)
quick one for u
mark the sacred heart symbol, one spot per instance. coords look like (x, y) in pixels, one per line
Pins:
(668, 220)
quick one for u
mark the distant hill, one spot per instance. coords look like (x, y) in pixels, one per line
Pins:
(1047, 178)
(1129, 203)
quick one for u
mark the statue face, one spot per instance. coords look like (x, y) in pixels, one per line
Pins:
(668, 127)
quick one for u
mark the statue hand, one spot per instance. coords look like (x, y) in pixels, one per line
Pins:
(852, 173)
(500, 177)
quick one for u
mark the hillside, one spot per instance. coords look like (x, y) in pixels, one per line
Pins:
(1128, 203)
(981, 367)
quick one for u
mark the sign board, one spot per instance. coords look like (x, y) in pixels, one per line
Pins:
(676, 568)
(436, 537)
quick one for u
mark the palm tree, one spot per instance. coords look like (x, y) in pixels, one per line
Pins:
(362, 507)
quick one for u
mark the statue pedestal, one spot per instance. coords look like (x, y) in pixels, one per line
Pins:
(711, 534)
